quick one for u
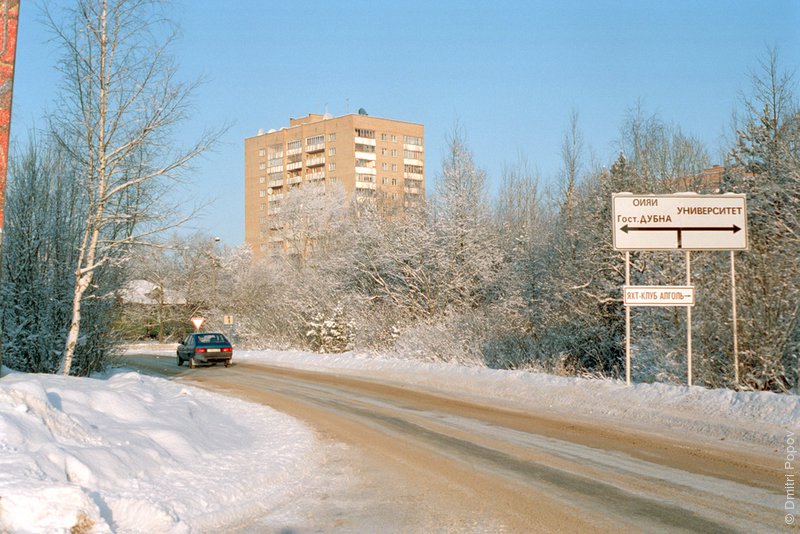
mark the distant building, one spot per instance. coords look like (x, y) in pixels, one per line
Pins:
(707, 181)
(370, 157)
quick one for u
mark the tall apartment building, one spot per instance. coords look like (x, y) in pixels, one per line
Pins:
(370, 157)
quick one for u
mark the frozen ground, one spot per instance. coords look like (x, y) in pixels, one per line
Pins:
(130, 453)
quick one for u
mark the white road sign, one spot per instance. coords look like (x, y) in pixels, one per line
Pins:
(658, 295)
(683, 221)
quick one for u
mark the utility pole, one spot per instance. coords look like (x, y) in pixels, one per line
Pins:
(8, 52)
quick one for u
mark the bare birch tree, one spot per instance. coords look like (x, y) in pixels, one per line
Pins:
(119, 103)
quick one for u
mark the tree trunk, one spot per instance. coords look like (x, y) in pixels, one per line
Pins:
(81, 284)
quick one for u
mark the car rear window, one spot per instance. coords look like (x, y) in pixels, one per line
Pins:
(211, 338)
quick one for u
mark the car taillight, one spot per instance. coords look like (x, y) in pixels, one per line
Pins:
(199, 350)
(227, 349)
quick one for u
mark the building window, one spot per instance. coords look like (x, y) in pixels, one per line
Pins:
(332, 137)
(394, 167)
(332, 151)
(366, 163)
(262, 166)
(412, 154)
(294, 145)
(394, 196)
(412, 169)
(262, 179)
(262, 207)
(262, 193)
(394, 181)
(332, 166)
(394, 152)
(412, 140)
(384, 166)
(262, 152)
(385, 181)
(383, 137)
(383, 152)
(367, 134)
(334, 179)
(394, 139)
(315, 140)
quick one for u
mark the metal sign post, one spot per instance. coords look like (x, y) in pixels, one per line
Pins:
(689, 321)
(627, 322)
(686, 222)
(734, 326)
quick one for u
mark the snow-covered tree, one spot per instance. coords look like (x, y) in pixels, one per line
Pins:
(766, 166)
(42, 227)
(119, 103)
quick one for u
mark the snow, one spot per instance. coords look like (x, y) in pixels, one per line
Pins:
(123, 452)
(131, 453)
(147, 293)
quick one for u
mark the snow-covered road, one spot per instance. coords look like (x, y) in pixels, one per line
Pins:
(354, 443)
(480, 467)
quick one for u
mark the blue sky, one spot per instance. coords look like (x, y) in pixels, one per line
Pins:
(508, 72)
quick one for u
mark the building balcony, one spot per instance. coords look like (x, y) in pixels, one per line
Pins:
(276, 197)
(366, 170)
(294, 166)
(413, 176)
(294, 151)
(318, 147)
(365, 141)
(315, 176)
(412, 190)
(366, 185)
(273, 211)
(315, 162)
(294, 180)
(277, 182)
(366, 155)
(274, 169)
(413, 162)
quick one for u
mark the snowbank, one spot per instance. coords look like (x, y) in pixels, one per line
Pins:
(132, 453)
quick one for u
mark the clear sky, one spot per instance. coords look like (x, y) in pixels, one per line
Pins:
(508, 72)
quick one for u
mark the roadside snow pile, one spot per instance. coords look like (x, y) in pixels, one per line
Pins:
(760, 418)
(132, 453)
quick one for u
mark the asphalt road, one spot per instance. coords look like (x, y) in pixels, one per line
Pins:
(418, 462)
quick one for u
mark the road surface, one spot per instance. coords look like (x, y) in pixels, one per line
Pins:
(418, 462)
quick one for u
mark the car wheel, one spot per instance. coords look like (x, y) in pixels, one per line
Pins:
(192, 363)
(180, 361)
(227, 363)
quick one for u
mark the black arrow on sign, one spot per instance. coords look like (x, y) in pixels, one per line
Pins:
(680, 229)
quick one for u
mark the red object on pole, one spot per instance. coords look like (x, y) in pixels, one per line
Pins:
(8, 50)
